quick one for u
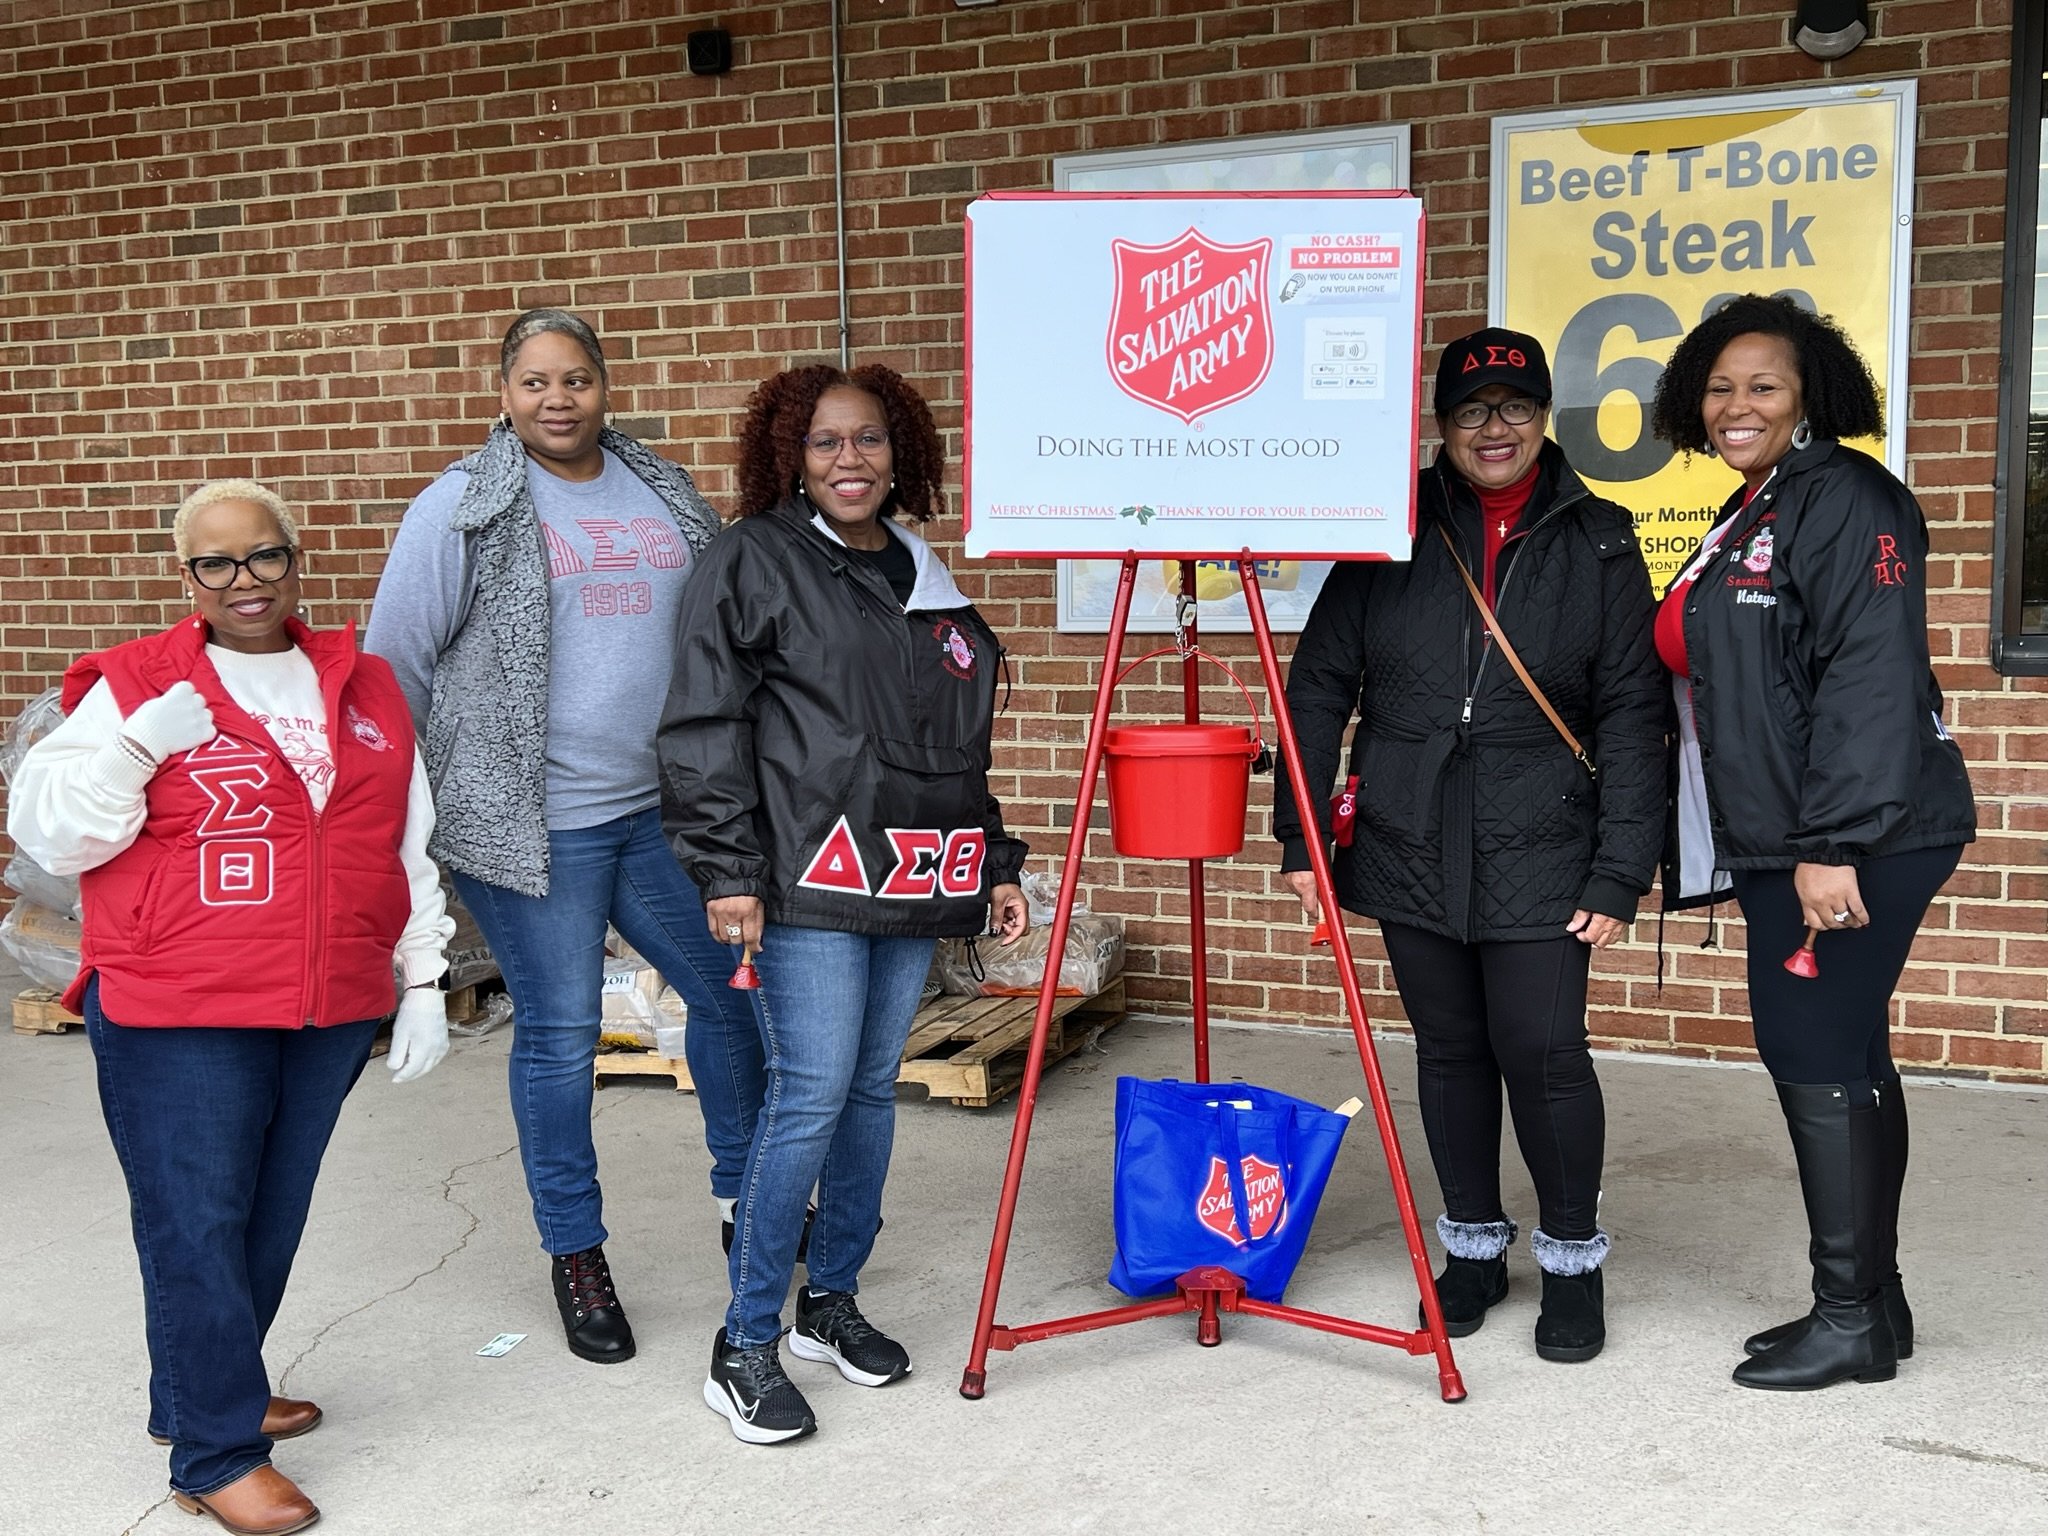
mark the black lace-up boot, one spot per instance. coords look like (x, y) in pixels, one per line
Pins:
(591, 1315)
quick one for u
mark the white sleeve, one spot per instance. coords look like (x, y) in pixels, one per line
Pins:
(78, 799)
(423, 947)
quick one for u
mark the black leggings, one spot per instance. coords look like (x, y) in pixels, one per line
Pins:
(1510, 1012)
(1836, 1027)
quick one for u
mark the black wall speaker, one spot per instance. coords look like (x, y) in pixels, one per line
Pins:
(709, 51)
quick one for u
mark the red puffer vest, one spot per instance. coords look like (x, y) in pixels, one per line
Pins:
(236, 906)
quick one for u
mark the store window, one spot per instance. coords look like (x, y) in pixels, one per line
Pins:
(2019, 619)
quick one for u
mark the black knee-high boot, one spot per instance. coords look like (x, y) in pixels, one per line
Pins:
(1891, 1112)
(1891, 1115)
(1839, 1144)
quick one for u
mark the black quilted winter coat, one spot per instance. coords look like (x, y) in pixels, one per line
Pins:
(1474, 819)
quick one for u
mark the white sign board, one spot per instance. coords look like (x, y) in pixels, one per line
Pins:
(1184, 376)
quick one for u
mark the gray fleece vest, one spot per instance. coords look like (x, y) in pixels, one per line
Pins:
(487, 724)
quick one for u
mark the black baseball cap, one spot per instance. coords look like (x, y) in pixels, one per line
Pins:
(1492, 356)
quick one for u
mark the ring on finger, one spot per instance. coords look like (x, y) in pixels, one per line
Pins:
(732, 930)
(1841, 917)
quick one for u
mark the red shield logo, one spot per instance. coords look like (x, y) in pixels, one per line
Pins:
(1262, 1186)
(1191, 327)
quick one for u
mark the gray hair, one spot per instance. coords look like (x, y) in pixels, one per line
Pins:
(215, 491)
(535, 322)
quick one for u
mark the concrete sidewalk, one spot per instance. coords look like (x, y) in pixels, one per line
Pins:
(421, 1248)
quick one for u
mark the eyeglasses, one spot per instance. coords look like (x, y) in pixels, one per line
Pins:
(217, 573)
(1516, 411)
(867, 442)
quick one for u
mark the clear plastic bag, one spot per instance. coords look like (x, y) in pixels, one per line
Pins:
(26, 877)
(631, 986)
(1042, 896)
(38, 717)
(43, 943)
(497, 1010)
(981, 967)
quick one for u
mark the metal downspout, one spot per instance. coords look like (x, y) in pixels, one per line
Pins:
(839, 189)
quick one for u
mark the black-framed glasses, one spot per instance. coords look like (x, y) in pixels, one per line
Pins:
(217, 573)
(1516, 411)
(867, 442)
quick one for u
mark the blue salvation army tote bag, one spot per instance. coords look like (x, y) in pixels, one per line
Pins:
(1217, 1173)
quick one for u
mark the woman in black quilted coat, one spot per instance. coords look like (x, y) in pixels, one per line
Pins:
(1495, 859)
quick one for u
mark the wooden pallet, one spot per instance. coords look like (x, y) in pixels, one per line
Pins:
(37, 1012)
(643, 1064)
(970, 1050)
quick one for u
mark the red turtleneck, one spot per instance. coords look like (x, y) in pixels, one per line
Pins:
(1499, 511)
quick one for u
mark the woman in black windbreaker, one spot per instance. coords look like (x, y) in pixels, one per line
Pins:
(1817, 778)
(1494, 857)
(824, 759)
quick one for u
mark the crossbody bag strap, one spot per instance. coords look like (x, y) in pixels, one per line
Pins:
(1507, 650)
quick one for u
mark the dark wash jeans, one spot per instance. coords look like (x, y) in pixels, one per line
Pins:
(835, 1009)
(220, 1133)
(551, 951)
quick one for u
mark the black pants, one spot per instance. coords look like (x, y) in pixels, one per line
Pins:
(1836, 1027)
(1515, 1013)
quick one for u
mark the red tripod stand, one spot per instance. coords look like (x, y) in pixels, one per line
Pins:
(1207, 1292)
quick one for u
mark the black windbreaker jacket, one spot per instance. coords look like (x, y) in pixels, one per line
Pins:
(826, 750)
(1819, 717)
(1474, 819)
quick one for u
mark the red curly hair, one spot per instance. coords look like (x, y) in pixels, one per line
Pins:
(779, 414)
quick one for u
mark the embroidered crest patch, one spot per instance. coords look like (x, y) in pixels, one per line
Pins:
(956, 651)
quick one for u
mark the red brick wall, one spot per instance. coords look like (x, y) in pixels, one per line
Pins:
(280, 239)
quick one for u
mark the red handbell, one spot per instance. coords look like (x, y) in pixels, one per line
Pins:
(1321, 937)
(746, 978)
(1801, 962)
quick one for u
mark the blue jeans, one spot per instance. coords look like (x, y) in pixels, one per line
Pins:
(220, 1133)
(835, 1009)
(551, 951)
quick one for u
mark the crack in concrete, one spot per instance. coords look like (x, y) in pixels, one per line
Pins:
(70, 1236)
(1964, 1453)
(448, 1195)
(139, 1519)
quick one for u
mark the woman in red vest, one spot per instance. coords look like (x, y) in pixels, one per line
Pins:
(243, 805)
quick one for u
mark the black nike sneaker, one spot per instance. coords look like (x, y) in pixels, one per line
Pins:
(756, 1396)
(829, 1328)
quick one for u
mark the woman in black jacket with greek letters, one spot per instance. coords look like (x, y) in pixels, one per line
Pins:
(1817, 778)
(1493, 859)
(824, 761)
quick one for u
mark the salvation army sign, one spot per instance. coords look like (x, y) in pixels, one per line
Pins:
(1185, 376)
(1190, 328)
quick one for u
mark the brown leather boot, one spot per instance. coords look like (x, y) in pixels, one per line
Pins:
(285, 1418)
(260, 1503)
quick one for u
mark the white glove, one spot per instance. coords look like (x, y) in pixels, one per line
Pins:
(177, 720)
(419, 1035)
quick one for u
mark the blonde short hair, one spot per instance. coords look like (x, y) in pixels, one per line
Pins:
(229, 490)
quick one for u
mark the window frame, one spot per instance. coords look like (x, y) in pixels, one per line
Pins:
(2014, 651)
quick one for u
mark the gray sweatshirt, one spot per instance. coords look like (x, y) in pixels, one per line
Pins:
(616, 565)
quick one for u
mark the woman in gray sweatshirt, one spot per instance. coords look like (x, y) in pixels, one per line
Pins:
(529, 608)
